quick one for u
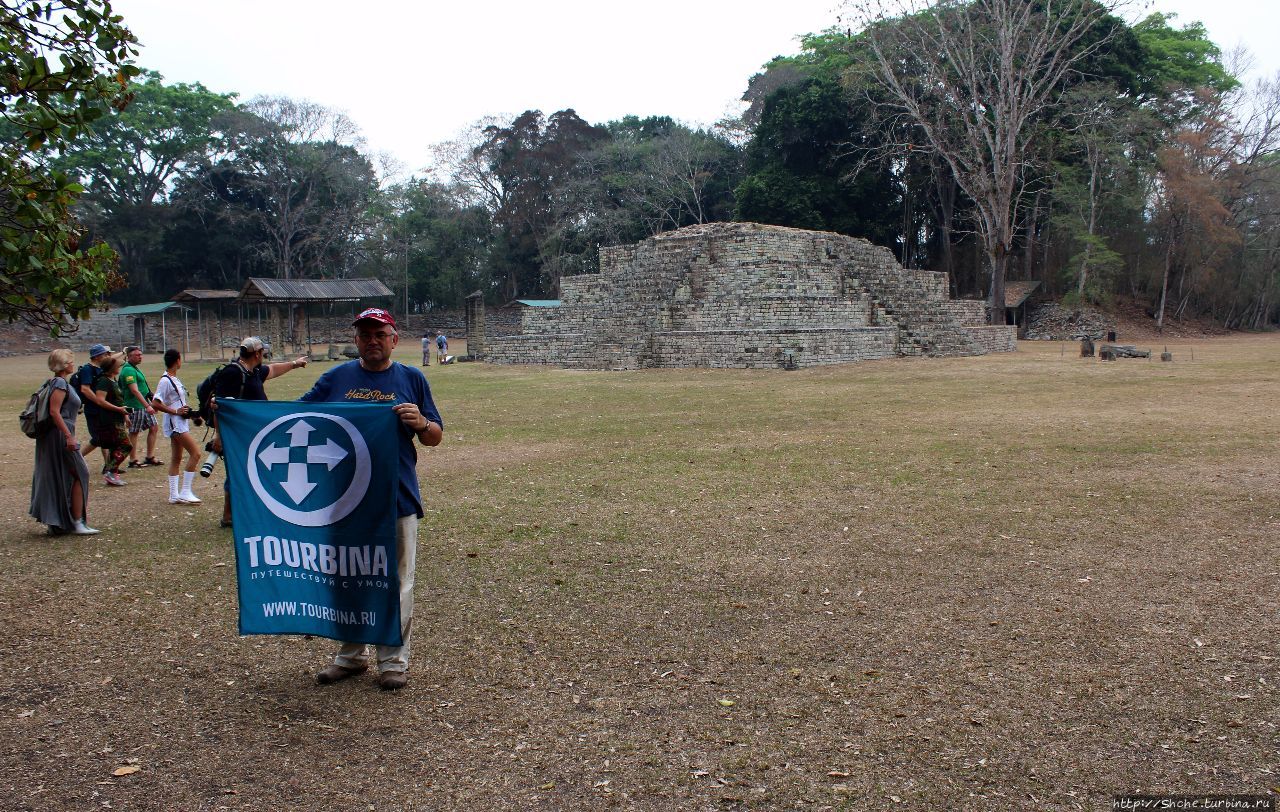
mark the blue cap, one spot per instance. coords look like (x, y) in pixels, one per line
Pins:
(98, 349)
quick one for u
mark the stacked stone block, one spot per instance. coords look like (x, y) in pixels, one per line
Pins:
(747, 296)
(968, 312)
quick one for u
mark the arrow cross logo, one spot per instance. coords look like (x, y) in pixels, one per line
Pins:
(302, 459)
(297, 484)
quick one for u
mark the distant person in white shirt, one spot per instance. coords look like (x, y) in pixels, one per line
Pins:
(171, 398)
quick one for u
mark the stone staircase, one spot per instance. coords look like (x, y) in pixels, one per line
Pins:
(912, 301)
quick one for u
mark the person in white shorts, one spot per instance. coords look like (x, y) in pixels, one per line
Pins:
(171, 398)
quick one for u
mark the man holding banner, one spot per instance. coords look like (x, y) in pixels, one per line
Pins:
(375, 378)
(321, 506)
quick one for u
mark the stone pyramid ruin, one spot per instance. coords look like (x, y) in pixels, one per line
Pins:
(746, 295)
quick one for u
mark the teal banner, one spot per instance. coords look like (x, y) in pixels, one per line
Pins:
(313, 509)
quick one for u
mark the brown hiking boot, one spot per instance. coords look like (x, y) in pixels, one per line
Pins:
(337, 673)
(392, 680)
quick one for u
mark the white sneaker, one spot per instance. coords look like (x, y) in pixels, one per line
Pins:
(188, 498)
(82, 529)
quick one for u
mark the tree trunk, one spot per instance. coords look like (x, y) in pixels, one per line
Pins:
(1093, 227)
(1028, 251)
(995, 305)
(1084, 270)
(1164, 283)
(1045, 245)
(945, 188)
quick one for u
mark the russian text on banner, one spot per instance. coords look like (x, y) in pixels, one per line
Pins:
(313, 501)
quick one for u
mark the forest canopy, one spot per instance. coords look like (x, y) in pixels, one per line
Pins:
(1141, 167)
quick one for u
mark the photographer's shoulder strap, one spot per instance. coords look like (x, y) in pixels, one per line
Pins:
(176, 389)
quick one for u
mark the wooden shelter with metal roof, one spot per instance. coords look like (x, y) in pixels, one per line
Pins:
(1015, 303)
(312, 290)
(283, 302)
(516, 303)
(139, 315)
(293, 296)
(201, 298)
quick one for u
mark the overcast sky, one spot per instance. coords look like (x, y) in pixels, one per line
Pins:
(413, 73)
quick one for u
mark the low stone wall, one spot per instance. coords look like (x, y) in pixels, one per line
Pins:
(214, 337)
(558, 349)
(995, 338)
(967, 312)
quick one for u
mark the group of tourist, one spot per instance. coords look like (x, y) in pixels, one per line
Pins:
(60, 485)
(119, 405)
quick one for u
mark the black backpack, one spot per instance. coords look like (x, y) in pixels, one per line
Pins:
(75, 381)
(205, 389)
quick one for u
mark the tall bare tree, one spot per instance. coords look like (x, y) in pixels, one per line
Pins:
(976, 77)
(299, 167)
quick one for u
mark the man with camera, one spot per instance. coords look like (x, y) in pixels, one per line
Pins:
(244, 379)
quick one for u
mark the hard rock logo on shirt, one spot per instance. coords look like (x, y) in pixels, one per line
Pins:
(375, 395)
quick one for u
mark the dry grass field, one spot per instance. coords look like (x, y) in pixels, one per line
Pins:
(1026, 582)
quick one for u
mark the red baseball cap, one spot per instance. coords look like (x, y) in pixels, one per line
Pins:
(375, 314)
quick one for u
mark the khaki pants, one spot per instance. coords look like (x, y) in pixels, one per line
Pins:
(392, 658)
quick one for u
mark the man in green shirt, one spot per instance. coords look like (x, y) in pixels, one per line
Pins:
(137, 396)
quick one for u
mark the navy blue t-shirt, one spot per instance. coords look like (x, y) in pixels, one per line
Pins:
(88, 377)
(352, 383)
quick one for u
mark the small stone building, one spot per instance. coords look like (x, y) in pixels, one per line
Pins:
(748, 296)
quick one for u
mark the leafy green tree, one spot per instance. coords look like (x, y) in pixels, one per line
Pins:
(430, 244)
(652, 175)
(65, 65)
(811, 162)
(134, 156)
(1176, 61)
(1097, 126)
(533, 165)
(295, 170)
(130, 162)
(1094, 163)
(449, 246)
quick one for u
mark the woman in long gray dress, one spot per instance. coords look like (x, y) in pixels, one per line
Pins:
(60, 483)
